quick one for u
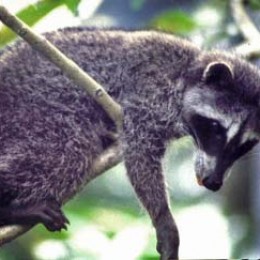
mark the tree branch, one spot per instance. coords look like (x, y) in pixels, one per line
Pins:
(111, 156)
(68, 67)
(108, 159)
(251, 47)
(9, 233)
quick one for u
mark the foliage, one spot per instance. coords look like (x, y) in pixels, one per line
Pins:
(137, 4)
(177, 22)
(255, 4)
(72, 5)
(34, 13)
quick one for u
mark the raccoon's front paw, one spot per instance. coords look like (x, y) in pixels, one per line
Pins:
(167, 250)
(50, 214)
(168, 243)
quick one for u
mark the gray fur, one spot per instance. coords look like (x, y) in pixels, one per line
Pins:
(51, 130)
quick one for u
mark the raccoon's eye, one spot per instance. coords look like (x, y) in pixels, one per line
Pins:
(215, 127)
(208, 133)
(214, 124)
(207, 126)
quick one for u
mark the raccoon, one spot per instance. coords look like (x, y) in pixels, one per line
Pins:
(51, 131)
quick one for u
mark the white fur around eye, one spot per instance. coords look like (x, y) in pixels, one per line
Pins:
(247, 136)
(211, 113)
(232, 131)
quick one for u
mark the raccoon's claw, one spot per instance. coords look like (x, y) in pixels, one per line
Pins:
(51, 215)
(48, 212)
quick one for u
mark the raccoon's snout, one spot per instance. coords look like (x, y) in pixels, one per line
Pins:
(208, 172)
(211, 183)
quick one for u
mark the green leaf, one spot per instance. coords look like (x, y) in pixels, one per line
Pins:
(255, 4)
(136, 5)
(30, 15)
(174, 21)
(72, 5)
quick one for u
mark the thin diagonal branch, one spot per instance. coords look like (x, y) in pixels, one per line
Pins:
(68, 67)
(251, 47)
(243, 21)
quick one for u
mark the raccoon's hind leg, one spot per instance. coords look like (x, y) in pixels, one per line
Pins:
(47, 212)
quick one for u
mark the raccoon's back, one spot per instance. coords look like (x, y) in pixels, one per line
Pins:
(50, 130)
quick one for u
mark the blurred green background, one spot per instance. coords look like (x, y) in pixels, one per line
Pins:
(107, 222)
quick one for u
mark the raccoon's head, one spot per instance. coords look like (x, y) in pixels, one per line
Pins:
(219, 120)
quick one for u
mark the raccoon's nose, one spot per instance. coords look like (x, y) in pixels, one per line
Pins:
(211, 183)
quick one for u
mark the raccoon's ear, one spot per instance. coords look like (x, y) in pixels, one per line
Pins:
(218, 73)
